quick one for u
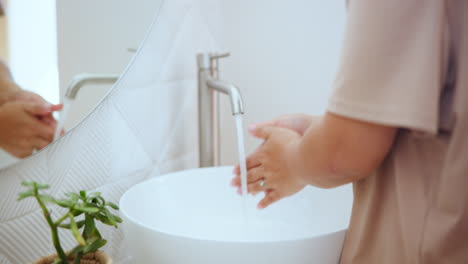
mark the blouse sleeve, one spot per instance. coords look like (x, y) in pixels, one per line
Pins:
(393, 63)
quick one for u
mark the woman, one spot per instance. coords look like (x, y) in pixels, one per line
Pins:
(395, 127)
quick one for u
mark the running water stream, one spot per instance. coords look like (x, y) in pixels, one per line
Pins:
(243, 168)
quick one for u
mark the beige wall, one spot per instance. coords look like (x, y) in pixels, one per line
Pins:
(3, 35)
(3, 39)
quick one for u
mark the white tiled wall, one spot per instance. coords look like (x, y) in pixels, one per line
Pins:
(284, 58)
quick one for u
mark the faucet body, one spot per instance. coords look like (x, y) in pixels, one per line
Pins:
(209, 87)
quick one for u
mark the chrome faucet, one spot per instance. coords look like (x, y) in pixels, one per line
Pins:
(209, 87)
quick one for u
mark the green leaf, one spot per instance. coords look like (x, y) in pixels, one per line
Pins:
(25, 194)
(73, 197)
(64, 203)
(118, 219)
(112, 205)
(28, 183)
(97, 233)
(110, 217)
(77, 213)
(96, 201)
(90, 226)
(42, 186)
(87, 209)
(75, 231)
(103, 218)
(47, 198)
(91, 240)
(94, 236)
(35, 185)
(76, 250)
(99, 243)
(83, 194)
(102, 201)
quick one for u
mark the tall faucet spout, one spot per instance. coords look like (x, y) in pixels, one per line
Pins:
(237, 105)
(209, 87)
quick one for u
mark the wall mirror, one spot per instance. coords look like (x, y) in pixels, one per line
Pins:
(46, 45)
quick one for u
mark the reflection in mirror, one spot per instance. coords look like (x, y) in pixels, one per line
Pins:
(72, 92)
(45, 47)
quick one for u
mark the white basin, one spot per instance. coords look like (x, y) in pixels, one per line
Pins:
(195, 217)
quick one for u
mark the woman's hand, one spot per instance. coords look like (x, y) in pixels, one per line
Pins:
(21, 132)
(296, 122)
(268, 167)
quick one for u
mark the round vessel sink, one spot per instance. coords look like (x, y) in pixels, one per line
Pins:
(196, 217)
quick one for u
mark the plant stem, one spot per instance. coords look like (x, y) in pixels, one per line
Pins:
(53, 228)
(61, 219)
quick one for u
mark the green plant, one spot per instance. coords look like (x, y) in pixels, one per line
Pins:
(82, 212)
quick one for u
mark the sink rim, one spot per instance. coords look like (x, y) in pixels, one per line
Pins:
(161, 178)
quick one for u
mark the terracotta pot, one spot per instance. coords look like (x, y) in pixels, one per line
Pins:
(98, 257)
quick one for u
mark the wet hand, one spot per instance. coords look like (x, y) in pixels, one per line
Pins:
(268, 167)
(298, 123)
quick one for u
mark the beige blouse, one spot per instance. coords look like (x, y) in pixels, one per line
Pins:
(405, 64)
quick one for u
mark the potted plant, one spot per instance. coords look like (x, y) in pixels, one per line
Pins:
(81, 213)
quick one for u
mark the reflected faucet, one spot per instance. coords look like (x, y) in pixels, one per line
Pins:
(81, 80)
(78, 82)
(209, 87)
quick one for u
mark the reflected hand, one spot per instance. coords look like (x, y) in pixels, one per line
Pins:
(30, 97)
(21, 131)
(269, 164)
